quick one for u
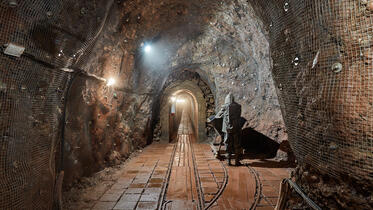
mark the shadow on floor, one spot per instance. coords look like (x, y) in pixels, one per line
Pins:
(271, 164)
(257, 145)
(261, 151)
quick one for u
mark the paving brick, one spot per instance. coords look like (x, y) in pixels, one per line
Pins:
(104, 205)
(268, 191)
(149, 197)
(111, 197)
(154, 185)
(156, 180)
(210, 190)
(211, 184)
(152, 191)
(125, 205)
(134, 190)
(130, 197)
(137, 185)
(140, 180)
(264, 208)
(147, 205)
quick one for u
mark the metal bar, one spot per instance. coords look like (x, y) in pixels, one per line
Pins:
(221, 190)
(162, 200)
(304, 196)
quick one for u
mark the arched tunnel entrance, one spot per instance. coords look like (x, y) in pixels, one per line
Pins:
(183, 115)
(183, 102)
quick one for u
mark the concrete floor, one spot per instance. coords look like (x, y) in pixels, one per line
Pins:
(186, 175)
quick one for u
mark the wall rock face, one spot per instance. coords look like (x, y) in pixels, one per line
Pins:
(329, 192)
(233, 54)
(105, 124)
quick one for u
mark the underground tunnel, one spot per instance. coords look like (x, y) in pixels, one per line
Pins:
(183, 110)
(199, 104)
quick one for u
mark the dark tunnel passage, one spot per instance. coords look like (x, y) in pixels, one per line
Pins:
(114, 104)
(183, 112)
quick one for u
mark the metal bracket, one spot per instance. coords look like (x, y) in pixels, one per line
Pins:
(14, 50)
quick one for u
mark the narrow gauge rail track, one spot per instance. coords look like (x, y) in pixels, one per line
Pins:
(201, 203)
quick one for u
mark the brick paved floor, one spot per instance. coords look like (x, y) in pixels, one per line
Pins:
(185, 175)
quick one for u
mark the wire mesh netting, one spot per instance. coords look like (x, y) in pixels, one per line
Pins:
(322, 65)
(33, 88)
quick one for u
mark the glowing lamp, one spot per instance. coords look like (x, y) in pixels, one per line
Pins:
(147, 48)
(110, 82)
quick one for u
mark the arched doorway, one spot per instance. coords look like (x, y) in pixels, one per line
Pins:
(183, 96)
(183, 114)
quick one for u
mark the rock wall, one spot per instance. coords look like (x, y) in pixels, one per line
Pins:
(233, 53)
(330, 192)
(105, 124)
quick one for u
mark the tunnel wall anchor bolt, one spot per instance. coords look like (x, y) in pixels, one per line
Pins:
(13, 3)
(337, 67)
(280, 86)
(286, 6)
(14, 50)
(49, 14)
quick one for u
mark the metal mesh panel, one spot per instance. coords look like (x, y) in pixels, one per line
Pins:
(322, 66)
(55, 34)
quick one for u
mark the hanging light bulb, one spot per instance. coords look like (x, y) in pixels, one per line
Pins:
(110, 82)
(180, 100)
(147, 48)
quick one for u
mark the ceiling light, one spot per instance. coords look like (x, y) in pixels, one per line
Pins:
(147, 48)
(110, 82)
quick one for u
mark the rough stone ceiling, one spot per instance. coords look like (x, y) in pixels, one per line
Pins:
(224, 42)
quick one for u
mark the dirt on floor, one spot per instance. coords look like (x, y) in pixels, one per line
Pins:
(83, 190)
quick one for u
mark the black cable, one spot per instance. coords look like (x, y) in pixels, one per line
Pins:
(63, 120)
